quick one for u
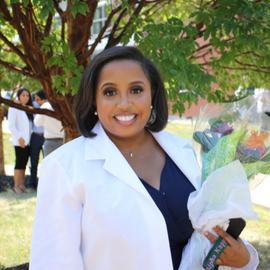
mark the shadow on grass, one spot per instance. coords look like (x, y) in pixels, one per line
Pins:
(24, 266)
(10, 196)
(7, 182)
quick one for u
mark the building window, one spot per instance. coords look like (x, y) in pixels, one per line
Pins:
(99, 19)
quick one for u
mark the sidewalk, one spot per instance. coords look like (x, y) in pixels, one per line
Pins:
(260, 195)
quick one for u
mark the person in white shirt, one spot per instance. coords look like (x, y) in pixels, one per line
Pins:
(37, 141)
(263, 107)
(53, 130)
(20, 125)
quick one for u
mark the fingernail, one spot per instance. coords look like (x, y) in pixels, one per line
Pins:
(206, 233)
(215, 227)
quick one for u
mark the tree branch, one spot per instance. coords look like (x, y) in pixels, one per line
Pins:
(57, 7)
(78, 49)
(248, 69)
(116, 23)
(98, 39)
(248, 65)
(27, 49)
(13, 48)
(33, 31)
(48, 26)
(5, 11)
(30, 110)
(115, 41)
(146, 13)
(17, 69)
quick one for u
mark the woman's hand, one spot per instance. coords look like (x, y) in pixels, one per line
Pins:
(22, 142)
(235, 254)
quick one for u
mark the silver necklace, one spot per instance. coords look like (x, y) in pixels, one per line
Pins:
(131, 152)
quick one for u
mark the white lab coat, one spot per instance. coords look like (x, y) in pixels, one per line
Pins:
(93, 213)
(19, 126)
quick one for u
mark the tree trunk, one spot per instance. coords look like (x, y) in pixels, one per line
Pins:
(2, 159)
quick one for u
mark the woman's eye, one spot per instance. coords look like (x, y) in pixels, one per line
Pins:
(109, 92)
(136, 90)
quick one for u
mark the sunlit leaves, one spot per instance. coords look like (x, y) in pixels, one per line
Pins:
(67, 61)
(79, 7)
(184, 78)
(126, 5)
(44, 12)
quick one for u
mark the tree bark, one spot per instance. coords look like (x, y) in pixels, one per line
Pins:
(2, 159)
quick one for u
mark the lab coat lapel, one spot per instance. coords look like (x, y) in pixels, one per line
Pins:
(183, 157)
(101, 147)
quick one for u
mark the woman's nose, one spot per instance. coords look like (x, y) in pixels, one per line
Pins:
(124, 102)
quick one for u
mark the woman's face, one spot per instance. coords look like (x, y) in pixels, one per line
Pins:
(24, 97)
(123, 99)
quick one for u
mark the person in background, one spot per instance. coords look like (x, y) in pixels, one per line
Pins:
(53, 130)
(263, 105)
(37, 141)
(20, 125)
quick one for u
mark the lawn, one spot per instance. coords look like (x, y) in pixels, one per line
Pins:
(9, 151)
(17, 215)
(16, 222)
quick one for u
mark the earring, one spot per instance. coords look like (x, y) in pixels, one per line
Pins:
(152, 117)
(95, 113)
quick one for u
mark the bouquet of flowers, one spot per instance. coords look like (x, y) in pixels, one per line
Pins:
(233, 152)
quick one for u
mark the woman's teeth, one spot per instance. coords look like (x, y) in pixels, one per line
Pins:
(125, 118)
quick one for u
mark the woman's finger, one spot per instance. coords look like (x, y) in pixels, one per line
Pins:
(231, 241)
(211, 237)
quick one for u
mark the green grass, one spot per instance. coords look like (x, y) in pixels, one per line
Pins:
(182, 130)
(258, 234)
(9, 151)
(17, 215)
(16, 222)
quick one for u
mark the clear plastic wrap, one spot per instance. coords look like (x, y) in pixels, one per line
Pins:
(225, 132)
(233, 149)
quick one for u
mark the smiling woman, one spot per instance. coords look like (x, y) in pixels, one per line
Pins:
(120, 190)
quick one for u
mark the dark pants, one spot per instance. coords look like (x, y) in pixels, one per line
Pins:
(36, 146)
(22, 156)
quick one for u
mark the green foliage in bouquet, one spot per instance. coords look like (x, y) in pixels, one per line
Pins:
(221, 144)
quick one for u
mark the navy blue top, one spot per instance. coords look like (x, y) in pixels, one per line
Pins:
(171, 200)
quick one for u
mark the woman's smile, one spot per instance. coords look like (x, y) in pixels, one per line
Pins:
(126, 120)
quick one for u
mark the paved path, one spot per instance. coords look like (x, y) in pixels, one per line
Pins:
(260, 195)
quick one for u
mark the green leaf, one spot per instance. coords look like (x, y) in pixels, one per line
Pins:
(73, 10)
(2, 20)
(125, 4)
(47, 49)
(261, 60)
(125, 39)
(83, 8)
(79, 7)
(44, 12)
(25, 2)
